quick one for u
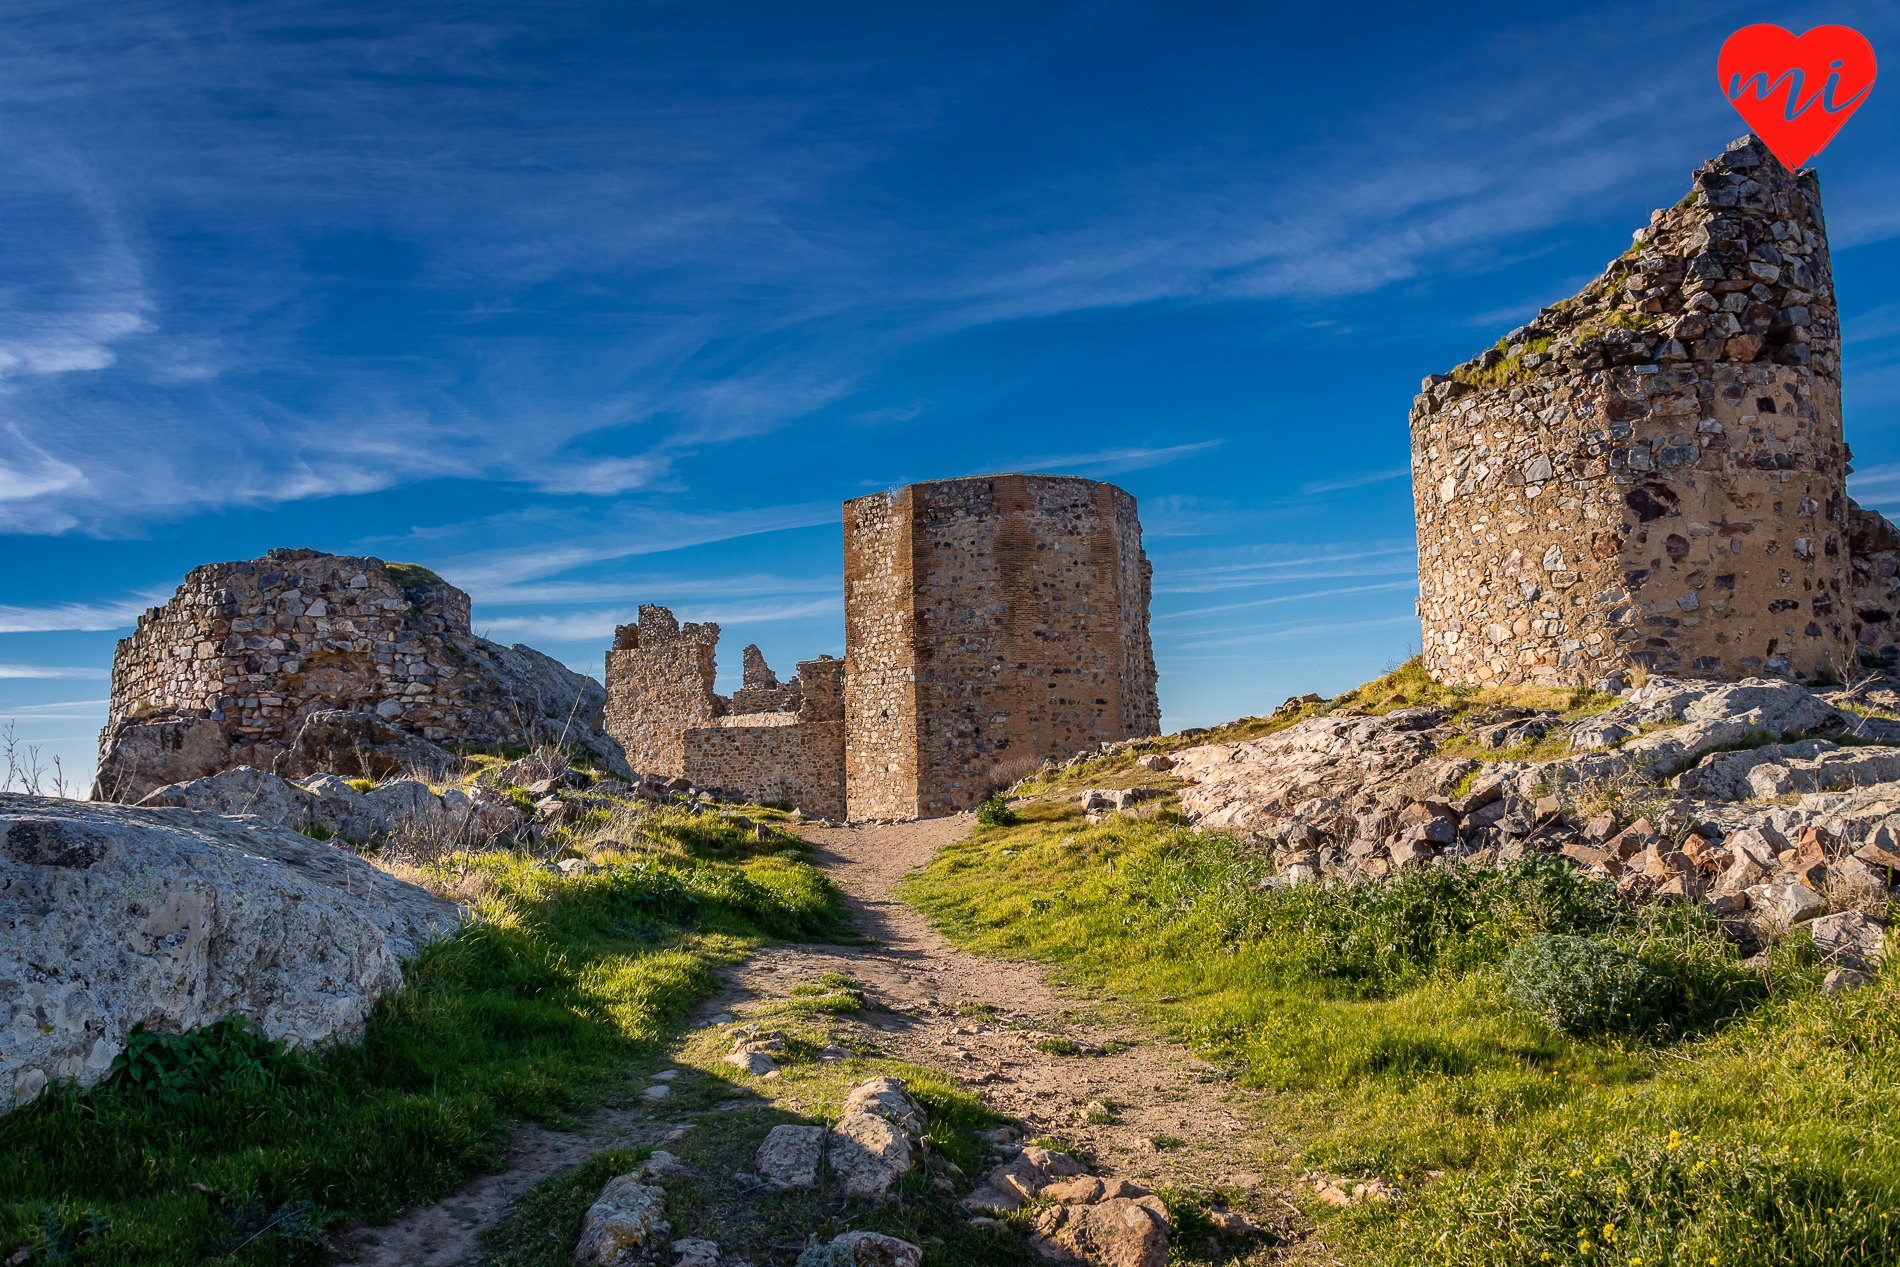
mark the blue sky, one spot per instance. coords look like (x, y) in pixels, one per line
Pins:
(586, 306)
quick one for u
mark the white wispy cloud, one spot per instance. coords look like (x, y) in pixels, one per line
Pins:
(1359, 480)
(1284, 565)
(1116, 461)
(1387, 588)
(78, 616)
(593, 626)
(67, 710)
(51, 671)
(558, 540)
(746, 280)
(1875, 485)
(1287, 632)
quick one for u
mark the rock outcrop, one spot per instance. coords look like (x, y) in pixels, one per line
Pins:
(113, 917)
(1764, 798)
(332, 804)
(303, 662)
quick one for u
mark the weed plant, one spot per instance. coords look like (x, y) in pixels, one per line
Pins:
(1382, 1016)
(224, 1148)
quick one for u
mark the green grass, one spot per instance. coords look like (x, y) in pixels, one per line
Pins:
(535, 1010)
(1379, 1015)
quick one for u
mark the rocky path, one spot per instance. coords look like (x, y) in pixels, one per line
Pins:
(1170, 1121)
(977, 1018)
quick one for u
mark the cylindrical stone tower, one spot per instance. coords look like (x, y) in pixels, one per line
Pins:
(1652, 473)
(988, 618)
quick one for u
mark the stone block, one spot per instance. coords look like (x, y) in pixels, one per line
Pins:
(790, 1155)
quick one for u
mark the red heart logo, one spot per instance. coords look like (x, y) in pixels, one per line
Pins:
(1796, 91)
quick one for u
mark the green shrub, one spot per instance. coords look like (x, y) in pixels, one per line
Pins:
(363, 785)
(1581, 985)
(523, 801)
(996, 812)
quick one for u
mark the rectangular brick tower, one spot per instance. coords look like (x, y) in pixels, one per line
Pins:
(986, 619)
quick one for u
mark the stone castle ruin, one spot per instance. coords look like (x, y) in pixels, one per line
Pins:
(1653, 472)
(990, 622)
(772, 741)
(303, 661)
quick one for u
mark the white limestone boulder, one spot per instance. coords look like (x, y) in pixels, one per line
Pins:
(874, 1141)
(624, 1226)
(115, 916)
(790, 1155)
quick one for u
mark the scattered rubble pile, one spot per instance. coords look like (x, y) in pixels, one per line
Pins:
(1110, 1222)
(174, 918)
(1757, 796)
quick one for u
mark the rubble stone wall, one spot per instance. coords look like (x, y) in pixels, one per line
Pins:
(659, 686)
(988, 618)
(1652, 474)
(771, 757)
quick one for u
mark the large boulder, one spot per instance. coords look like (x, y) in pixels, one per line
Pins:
(329, 802)
(246, 791)
(170, 918)
(143, 756)
(874, 1141)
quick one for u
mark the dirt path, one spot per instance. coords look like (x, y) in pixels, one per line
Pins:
(1174, 1122)
(446, 1232)
(975, 1018)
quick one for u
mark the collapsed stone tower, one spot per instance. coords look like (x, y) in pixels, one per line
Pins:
(275, 662)
(988, 618)
(1652, 472)
(990, 622)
